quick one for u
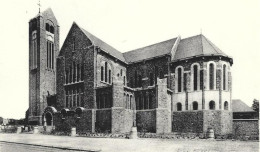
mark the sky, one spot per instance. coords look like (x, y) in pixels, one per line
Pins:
(232, 25)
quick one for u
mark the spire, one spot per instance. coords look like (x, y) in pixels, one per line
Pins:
(39, 4)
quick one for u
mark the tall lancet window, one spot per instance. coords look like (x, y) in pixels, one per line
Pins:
(34, 51)
(50, 45)
(224, 77)
(195, 77)
(179, 79)
(105, 71)
(211, 76)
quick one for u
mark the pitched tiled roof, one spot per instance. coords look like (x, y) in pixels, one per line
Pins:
(196, 46)
(240, 106)
(150, 51)
(104, 46)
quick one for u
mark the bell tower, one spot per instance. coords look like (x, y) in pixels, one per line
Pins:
(43, 50)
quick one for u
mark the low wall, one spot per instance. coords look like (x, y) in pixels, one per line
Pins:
(146, 120)
(200, 121)
(246, 127)
(82, 124)
(103, 120)
(219, 120)
(187, 121)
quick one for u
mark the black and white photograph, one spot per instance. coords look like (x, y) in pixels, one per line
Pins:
(129, 75)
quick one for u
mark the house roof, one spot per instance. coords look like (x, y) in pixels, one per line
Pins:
(197, 45)
(104, 46)
(151, 51)
(239, 106)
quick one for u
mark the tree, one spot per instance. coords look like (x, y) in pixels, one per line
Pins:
(255, 105)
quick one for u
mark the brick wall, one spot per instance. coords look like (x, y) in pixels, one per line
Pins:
(246, 127)
(219, 120)
(38, 86)
(145, 120)
(145, 68)
(76, 48)
(83, 124)
(200, 121)
(103, 120)
(188, 121)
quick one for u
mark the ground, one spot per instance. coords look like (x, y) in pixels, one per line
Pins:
(127, 145)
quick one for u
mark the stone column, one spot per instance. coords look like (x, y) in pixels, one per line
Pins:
(118, 110)
(35, 130)
(19, 130)
(73, 131)
(163, 111)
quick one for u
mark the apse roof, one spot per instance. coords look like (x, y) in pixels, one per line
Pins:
(197, 45)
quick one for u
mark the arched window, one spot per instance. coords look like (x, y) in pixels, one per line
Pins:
(195, 105)
(67, 98)
(105, 71)
(146, 104)
(52, 29)
(121, 72)
(225, 105)
(224, 77)
(212, 105)
(150, 101)
(195, 77)
(151, 79)
(140, 80)
(127, 102)
(211, 76)
(109, 76)
(82, 72)
(130, 101)
(179, 106)
(124, 80)
(47, 27)
(161, 75)
(74, 72)
(77, 97)
(140, 102)
(179, 79)
(136, 82)
(78, 71)
(70, 74)
(48, 117)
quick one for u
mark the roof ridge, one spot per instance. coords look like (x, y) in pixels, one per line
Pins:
(103, 45)
(202, 50)
(150, 45)
(211, 44)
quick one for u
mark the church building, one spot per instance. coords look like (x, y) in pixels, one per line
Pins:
(177, 85)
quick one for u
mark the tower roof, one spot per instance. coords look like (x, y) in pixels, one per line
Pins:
(48, 12)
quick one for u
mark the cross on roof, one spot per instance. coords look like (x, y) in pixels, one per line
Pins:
(39, 4)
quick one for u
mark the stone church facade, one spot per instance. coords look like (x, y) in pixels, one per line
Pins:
(178, 85)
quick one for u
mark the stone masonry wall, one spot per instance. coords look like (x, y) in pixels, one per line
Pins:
(163, 110)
